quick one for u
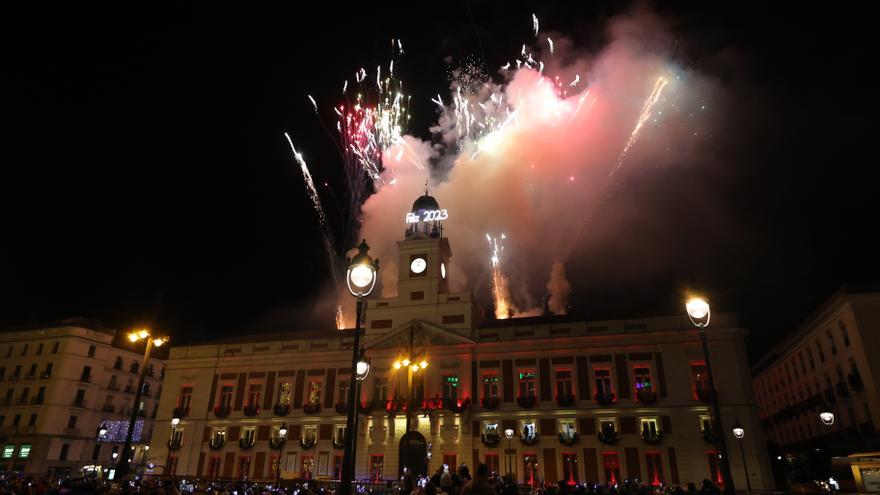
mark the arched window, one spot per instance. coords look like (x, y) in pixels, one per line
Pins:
(135, 367)
(118, 364)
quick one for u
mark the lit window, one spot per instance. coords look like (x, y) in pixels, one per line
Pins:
(8, 450)
(527, 383)
(24, 451)
(285, 390)
(490, 385)
(450, 387)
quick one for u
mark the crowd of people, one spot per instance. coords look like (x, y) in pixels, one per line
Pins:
(443, 482)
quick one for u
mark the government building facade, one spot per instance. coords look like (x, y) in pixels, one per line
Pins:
(600, 401)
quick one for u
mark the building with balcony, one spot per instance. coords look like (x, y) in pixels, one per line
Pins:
(602, 401)
(59, 384)
(830, 363)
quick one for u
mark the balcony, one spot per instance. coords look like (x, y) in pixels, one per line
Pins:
(604, 398)
(565, 400)
(15, 377)
(308, 442)
(646, 396)
(21, 401)
(855, 382)
(31, 376)
(703, 395)
(277, 442)
(113, 386)
(490, 439)
(311, 407)
(281, 409)
(651, 437)
(108, 408)
(251, 410)
(608, 434)
(340, 408)
(217, 442)
(568, 439)
(338, 443)
(37, 400)
(71, 432)
(180, 412)
(79, 403)
(222, 411)
(492, 402)
(246, 442)
(175, 443)
(528, 438)
(527, 401)
(45, 375)
(457, 405)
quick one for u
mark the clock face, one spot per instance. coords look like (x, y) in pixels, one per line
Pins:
(443, 270)
(418, 265)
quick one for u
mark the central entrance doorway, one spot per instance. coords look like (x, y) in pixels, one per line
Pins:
(414, 453)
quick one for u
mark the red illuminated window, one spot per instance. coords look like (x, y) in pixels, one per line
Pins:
(530, 468)
(715, 467)
(570, 468)
(492, 463)
(255, 392)
(700, 377)
(377, 464)
(225, 396)
(611, 466)
(244, 467)
(451, 461)
(655, 468)
(642, 379)
(214, 467)
(563, 383)
(603, 382)
(273, 466)
(490, 385)
(307, 467)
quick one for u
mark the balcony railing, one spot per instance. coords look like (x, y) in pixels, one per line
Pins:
(251, 410)
(222, 411)
(604, 398)
(568, 439)
(45, 375)
(490, 439)
(651, 437)
(247, 442)
(842, 391)
(113, 386)
(15, 377)
(608, 435)
(217, 442)
(30, 376)
(307, 442)
(492, 402)
(646, 396)
(281, 409)
(528, 438)
(180, 412)
(527, 401)
(565, 400)
(79, 403)
(37, 400)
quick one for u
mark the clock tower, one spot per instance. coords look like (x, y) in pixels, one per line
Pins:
(423, 276)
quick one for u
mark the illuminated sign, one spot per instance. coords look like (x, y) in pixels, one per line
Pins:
(426, 216)
(24, 451)
(8, 450)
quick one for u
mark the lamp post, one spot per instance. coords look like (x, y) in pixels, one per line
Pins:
(508, 433)
(361, 279)
(699, 313)
(827, 418)
(739, 432)
(123, 467)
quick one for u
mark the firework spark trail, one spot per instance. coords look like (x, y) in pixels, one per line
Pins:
(314, 104)
(647, 108)
(329, 245)
(500, 291)
(535, 24)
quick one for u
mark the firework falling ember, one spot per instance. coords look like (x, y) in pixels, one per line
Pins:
(329, 245)
(340, 318)
(647, 108)
(500, 291)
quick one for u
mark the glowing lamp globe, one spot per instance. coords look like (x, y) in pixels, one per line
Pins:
(827, 418)
(508, 433)
(362, 369)
(738, 431)
(361, 275)
(175, 421)
(283, 430)
(698, 311)
(102, 431)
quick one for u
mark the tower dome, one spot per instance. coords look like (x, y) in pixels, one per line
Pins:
(425, 217)
(425, 203)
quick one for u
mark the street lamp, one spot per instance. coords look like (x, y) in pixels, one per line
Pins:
(699, 313)
(508, 433)
(739, 432)
(102, 430)
(124, 465)
(827, 418)
(361, 279)
(362, 367)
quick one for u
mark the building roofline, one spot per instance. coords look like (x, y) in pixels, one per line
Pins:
(806, 324)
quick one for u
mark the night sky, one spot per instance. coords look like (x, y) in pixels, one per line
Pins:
(146, 179)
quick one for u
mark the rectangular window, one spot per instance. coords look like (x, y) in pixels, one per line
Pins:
(55, 348)
(185, 398)
(492, 463)
(527, 383)
(451, 461)
(603, 382)
(315, 388)
(380, 388)
(80, 399)
(810, 358)
(528, 429)
(570, 467)
(71, 422)
(307, 469)
(8, 451)
(450, 387)
(91, 351)
(47, 372)
(611, 467)
(337, 467)
(564, 386)
(2, 373)
(16, 420)
(225, 396)
(490, 385)
(213, 467)
(844, 334)
(700, 378)
(24, 350)
(567, 428)
(377, 466)
(642, 380)
(86, 375)
(96, 452)
(655, 468)
(40, 349)
(831, 342)
(714, 467)
(33, 372)
(342, 396)
(650, 428)
(62, 456)
(531, 474)
(255, 393)
(285, 393)
(33, 420)
(819, 351)
(244, 467)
